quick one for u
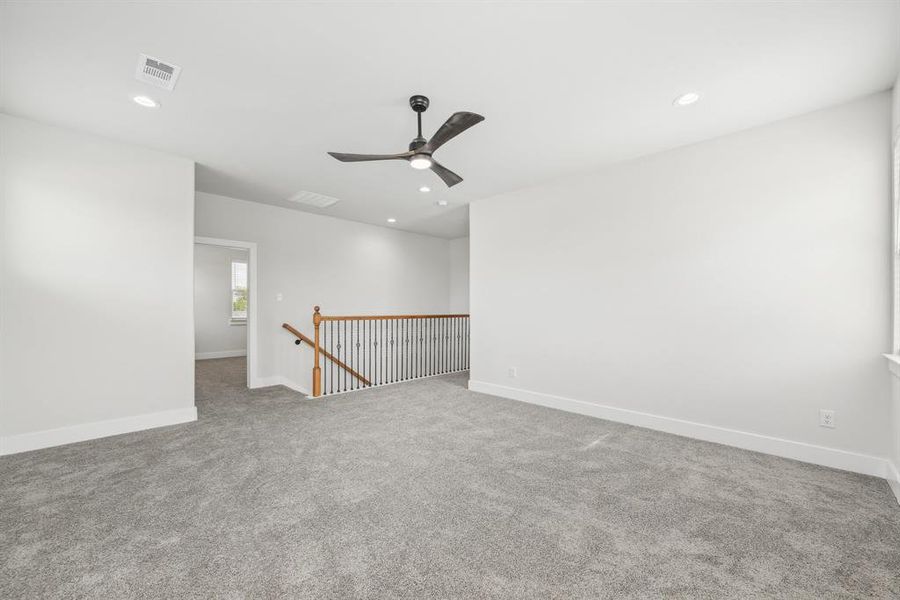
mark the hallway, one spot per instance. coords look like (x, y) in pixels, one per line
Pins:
(425, 489)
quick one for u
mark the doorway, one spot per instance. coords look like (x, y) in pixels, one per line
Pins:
(225, 301)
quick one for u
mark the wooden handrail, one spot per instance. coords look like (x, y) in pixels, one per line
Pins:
(389, 317)
(327, 354)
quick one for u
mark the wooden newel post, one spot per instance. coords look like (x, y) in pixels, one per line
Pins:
(317, 371)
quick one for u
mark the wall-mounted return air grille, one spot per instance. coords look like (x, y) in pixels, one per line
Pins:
(157, 72)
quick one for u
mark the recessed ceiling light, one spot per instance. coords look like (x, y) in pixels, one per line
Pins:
(442, 203)
(686, 99)
(146, 101)
(392, 220)
(424, 188)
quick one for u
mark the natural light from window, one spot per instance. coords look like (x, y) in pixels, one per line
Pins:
(238, 292)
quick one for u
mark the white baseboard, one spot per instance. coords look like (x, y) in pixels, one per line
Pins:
(220, 354)
(261, 382)
(24, 442)
(894, 479)
(810, 453)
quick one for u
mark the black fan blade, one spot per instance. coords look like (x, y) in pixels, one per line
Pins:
(455, 125)
(449, 177)
(364, 157)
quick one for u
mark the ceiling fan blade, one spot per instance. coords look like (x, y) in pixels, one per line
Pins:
(449, 177)
(455, 125)
(364, 157)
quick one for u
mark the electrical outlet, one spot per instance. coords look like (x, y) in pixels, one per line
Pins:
(826, 418)
(512, 372)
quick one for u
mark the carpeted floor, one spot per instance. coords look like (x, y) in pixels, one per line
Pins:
(426, 490)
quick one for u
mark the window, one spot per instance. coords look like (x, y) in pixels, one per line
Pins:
(238, 292)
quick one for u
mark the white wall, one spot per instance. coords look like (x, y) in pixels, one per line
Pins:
(459, 275)
(214, 334)
(96, 263)
(742, 283)
(343, 266)
(895, 383)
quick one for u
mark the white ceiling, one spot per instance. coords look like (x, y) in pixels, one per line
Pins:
(267, 89)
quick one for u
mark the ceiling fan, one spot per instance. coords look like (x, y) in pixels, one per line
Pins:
(420, 149)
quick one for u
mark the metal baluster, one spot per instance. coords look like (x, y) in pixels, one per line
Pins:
(345, 354)
(448, 323)
(331, 362)
(463, 348)
(348, 352)
(324, 358)
(453, 344)
(339, 371)
(352, 362)
(467, 342)
(337, 345)
(359, 368)
(458, 342)
(457, 323)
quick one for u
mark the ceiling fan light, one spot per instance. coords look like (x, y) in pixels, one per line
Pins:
(420, 161)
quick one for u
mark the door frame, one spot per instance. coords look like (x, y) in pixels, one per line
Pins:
(253, 379)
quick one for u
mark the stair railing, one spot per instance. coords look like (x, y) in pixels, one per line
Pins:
(301, 339)
(356, 352)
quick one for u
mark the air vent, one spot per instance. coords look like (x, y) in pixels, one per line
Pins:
(313, 199)
(156, 72)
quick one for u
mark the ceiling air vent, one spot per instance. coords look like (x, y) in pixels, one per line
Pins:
(313, 199)
(156, 72)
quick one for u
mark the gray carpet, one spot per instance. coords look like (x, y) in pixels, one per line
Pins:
(426, 490)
